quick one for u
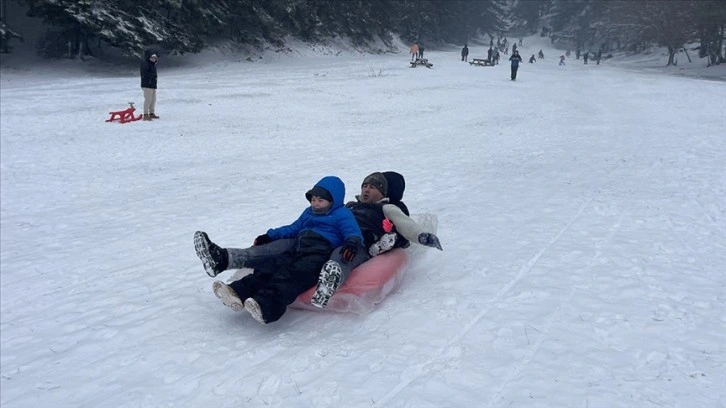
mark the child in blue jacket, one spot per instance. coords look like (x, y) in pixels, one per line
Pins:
(324, 225)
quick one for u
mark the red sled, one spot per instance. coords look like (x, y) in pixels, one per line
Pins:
(125, 116)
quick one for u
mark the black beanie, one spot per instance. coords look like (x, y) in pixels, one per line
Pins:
(319, 192)
(377, 180)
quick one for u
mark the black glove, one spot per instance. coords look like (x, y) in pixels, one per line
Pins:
(430, 240)
(262, 240)
(350, 249)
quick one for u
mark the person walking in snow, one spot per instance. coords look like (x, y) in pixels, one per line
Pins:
(465, 53)
(540, 54)
(562, 60)
(515, 59)
(379, 201)
(532, 59)
(585, 56)
(148, 84)
(323, 226)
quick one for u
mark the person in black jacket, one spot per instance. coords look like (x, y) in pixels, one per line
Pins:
(465, 53)
(148, 83)
(516, 59)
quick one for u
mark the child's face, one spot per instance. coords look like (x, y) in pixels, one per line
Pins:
(319, 203)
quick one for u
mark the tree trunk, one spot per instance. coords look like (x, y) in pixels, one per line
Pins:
(671, 56)
(687, 56)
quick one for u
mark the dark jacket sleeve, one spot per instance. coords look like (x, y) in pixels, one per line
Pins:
(148, 74)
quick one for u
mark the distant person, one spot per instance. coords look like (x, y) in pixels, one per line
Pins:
(598, 56)
(562, 60)
(515, 59)
(420, 50)
(496, 57)
(148, 83)
(567, 54)
(585, 56)
(532, 60)
(577, 53)
(520, 42)
(414, 51)
(489, 55)
(540, 54)
(465, 53)
(514, 48)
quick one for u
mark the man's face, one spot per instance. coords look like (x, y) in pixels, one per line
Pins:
(370, 194)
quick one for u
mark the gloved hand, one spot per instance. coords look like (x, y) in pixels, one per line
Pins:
(262, 240)
(350, 249)
(430, 240)
(382, 245)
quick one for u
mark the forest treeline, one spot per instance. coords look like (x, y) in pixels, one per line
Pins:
(75, 28)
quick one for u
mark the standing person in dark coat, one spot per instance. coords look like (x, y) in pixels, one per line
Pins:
(465, 53)
(148, 83)
(420, 50)
(585, 56)
(598, 56)
(516, 59)
(489, 55)
(323, 226)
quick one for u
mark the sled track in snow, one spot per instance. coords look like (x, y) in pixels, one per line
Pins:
(549, 323)
(420, 370)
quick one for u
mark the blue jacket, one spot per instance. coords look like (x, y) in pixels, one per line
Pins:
(516, 59)
(337, 225)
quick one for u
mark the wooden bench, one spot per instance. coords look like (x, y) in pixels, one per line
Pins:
(482, 62)
(421, 61)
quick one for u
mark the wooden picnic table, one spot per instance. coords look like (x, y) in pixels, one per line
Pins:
(421, 61)
(482, 62)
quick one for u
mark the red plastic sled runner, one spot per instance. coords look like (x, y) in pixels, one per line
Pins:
(366, 286)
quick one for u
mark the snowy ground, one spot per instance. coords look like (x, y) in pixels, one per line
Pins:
(582, 210)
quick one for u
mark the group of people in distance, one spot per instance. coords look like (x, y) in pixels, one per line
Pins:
(321, 247)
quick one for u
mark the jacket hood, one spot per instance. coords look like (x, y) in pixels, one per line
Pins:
(396, 186)
(335, 187)
(148, 53)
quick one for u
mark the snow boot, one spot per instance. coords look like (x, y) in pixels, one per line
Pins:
(228, 295)
(255, 310)
(328, 283)
(152, 115)
(146, 116)
(214, 258)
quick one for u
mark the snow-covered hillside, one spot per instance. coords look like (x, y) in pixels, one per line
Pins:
(582, 211)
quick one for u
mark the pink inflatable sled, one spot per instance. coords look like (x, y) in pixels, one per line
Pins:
(369, 283)
(366, 286)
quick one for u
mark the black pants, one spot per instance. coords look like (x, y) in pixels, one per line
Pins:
(514, 73)
(293, 272)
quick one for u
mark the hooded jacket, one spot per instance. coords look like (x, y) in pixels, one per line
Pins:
(337, 225)
(148, 70)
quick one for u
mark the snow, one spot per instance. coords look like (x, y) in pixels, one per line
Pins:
(582, 211)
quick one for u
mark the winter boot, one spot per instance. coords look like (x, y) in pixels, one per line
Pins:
(328, 283)
(228, 295)
(146, 116)
(255, 310)
(152, 115)
(214, 258)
